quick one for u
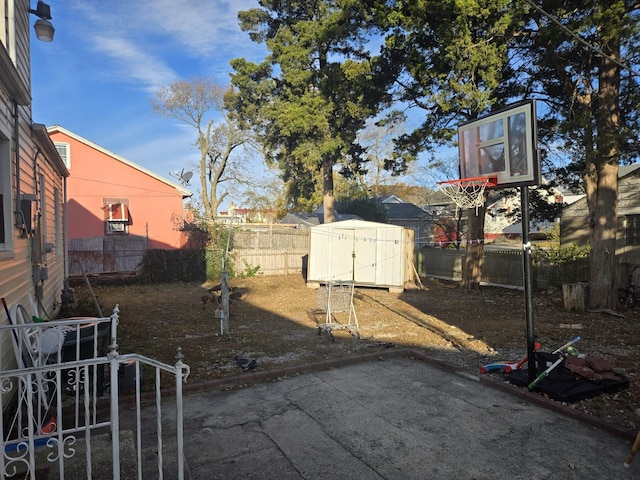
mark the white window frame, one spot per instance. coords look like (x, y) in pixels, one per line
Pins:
(6, 244)
(117, 226)
(64, 150)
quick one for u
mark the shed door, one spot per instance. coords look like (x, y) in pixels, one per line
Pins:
(364, 255)
(340, 258)
(390, 265)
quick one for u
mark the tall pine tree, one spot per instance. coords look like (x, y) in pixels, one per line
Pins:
(315, 90)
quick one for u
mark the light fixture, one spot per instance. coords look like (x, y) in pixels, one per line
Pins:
(43, 27)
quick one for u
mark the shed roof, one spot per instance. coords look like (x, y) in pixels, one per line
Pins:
(354, 225)
(311, 219)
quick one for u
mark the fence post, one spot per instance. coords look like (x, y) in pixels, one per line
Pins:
(182, 372)
(114, 390)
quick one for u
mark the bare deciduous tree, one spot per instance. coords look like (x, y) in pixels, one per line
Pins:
(199, 102)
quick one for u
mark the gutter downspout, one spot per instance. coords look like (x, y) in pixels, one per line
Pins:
(65, 232)
(16, 147)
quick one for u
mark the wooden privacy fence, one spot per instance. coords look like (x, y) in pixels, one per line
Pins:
(114, 253)
(501, 268)
(283, 251)
(275, 251)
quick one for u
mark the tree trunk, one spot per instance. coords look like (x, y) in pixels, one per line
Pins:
(328, 198)
(603, 206)
(473, 259)
(603, 221)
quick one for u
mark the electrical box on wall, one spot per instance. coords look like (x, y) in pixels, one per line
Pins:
(40, 273)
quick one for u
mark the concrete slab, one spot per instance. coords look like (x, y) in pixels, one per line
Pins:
(397, 418)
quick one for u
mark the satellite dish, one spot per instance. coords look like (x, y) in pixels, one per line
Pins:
(182, 176)
(185, 177)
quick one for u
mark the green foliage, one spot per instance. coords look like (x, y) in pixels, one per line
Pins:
(564, 264)
(249, 271)
(556, 254)
(198, 235)
(216, 253)
(315, 90)
(166, 266)
(560, 255)
(450, 57)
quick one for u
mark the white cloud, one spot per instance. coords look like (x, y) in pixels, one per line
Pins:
(97, 76)
(135, 62)
(203, 28)
(144, 38)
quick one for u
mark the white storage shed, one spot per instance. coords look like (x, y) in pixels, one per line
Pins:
(366, 253)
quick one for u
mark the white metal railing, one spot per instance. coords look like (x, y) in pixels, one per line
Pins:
(62, 402)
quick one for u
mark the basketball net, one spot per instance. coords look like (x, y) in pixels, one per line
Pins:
(467, 192)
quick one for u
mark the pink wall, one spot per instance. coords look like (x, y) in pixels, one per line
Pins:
(95, 175)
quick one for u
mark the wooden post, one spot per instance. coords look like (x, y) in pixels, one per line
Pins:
(224, 296)
(574, 296)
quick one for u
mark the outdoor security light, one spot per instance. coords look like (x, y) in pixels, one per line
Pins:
(43, 27)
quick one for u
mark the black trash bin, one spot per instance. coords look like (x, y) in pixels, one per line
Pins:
(87, 332)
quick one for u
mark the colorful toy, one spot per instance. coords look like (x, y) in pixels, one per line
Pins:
(570, 350)
(506, 366)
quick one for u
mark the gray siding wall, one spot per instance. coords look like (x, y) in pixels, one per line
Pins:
(574, 222)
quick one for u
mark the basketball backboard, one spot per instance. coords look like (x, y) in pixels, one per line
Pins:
(501, 145)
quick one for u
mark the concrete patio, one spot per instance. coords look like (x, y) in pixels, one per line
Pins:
(393, 417)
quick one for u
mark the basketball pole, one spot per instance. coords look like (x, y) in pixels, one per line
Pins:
(528, 282)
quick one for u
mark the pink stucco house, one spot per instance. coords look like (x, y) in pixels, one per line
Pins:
(115, 205)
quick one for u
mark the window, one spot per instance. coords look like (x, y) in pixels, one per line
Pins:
(632, 229)
(6, 238)
(64, 150)
(117, 217)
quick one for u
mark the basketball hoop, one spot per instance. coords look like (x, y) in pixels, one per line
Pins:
(467, 192)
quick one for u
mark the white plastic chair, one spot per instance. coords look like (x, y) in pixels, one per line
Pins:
(36, 347)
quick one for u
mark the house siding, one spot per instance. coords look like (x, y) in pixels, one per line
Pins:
(574, 222)
(35, 171)
(97, 175)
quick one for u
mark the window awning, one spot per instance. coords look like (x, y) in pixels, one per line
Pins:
(117, 212)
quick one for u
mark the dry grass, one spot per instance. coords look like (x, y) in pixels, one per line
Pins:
(275, 321)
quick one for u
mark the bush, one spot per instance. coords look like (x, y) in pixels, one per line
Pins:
(564, 264)
(166, 266)
(217, 251)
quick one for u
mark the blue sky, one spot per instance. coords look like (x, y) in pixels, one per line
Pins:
(98, 75)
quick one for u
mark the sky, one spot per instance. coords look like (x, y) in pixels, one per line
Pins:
(107, 59)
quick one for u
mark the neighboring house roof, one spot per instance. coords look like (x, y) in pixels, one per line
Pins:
(404, 211)
(389, 199)
(569, 199)
(398, 209)
(625, 170)
(534, 227)
(56, 128)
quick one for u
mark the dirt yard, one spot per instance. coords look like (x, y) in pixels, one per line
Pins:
(274, 320)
